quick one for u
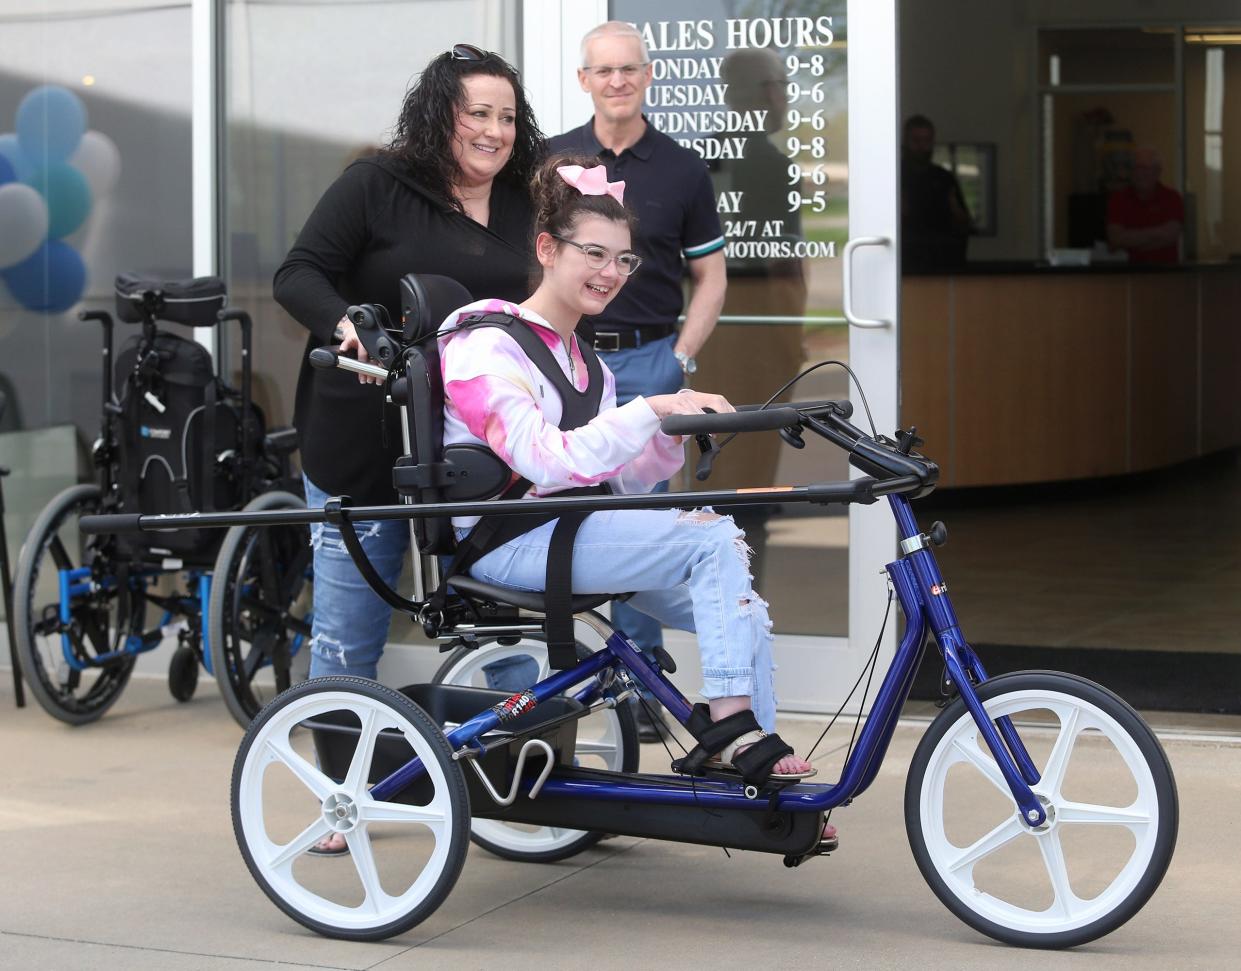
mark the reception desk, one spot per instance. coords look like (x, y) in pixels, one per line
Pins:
(1016, 373)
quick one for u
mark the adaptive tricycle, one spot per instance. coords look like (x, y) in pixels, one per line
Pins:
(1010, 833)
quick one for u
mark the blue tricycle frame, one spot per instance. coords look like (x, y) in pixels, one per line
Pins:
(979, 726)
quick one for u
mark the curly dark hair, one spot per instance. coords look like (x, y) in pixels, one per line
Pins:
(422, 137)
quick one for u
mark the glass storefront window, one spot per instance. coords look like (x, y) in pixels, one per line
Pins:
(94, 181)
(764, 100)
(1212, 60)
(309, 88)
(1113, 55)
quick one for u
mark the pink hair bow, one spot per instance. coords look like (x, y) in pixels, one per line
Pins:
(592, 181)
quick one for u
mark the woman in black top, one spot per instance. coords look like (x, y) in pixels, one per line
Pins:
(449, 196)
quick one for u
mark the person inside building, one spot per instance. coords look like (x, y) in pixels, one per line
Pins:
(935, 222)
(1145, 218)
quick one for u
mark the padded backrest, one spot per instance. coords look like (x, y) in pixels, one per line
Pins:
(426, 299)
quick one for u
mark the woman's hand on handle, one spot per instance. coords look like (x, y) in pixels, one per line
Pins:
(688, 403)
(349, 342)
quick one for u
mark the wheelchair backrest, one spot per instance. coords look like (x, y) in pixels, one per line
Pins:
(180, 430)
(429, 472)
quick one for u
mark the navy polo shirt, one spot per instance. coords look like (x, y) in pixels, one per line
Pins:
(668, 189)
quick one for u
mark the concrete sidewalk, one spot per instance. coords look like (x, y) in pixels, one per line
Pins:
(119, 853)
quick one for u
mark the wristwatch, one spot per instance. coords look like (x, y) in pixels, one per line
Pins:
(688, 364)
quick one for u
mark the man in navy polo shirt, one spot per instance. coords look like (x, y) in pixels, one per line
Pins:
(668, 187)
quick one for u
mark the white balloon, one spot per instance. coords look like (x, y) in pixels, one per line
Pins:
(98, 158)
(23, 222)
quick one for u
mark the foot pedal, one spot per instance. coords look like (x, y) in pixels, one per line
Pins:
(732, 775)
(825, 848)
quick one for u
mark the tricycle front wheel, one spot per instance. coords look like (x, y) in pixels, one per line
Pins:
(1111, 809)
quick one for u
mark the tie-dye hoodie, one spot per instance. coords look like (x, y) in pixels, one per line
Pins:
(496, 396)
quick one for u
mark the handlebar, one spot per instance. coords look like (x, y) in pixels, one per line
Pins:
(326, 358)
(754, 418)
(712, 423)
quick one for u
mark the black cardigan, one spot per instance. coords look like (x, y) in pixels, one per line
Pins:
(372, 226)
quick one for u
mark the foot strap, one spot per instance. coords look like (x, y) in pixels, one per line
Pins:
(756, 761)
(713, 737)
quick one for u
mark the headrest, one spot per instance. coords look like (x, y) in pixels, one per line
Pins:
(187, 301)
(426, 299)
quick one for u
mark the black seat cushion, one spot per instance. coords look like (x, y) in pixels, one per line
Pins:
(525, 599)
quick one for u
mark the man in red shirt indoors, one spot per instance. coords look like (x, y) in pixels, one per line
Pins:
(1145, 219)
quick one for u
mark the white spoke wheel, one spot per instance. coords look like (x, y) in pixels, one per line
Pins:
(289, 793)
(1109, 795)
(606, 739)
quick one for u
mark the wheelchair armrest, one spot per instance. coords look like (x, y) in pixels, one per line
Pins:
(281, 441)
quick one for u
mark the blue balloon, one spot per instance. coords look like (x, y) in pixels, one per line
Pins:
(50, 122)
(7, 172)
(49, 281)
(67, 194)
(12, 153)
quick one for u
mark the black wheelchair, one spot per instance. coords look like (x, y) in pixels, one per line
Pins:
(175, 437)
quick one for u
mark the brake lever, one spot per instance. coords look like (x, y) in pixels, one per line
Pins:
(709, 451)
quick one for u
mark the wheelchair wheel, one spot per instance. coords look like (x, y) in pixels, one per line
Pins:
(183, 673)
(259, 615)
(78, 690)
(607, 739)
(404, 856)
(1111, 802)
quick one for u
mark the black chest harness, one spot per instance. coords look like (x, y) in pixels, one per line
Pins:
(492, 532)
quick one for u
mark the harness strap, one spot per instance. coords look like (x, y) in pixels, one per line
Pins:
(492, 532)
(558, 592)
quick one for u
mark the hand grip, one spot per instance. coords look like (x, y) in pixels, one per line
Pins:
(768, 419)
(124, 522)
(324, 358)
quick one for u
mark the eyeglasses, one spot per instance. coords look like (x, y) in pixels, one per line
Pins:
(627, 71)
(597, 257)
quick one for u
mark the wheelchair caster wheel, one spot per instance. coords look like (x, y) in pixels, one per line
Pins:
(183, 673)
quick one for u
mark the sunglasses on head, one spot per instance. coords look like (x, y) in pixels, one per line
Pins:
(468, 52)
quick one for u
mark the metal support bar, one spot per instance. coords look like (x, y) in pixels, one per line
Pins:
(521, 764)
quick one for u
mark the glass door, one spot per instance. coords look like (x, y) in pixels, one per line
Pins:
(795, 117)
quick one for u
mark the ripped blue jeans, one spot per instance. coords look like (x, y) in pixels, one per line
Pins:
(689, 570)
(351, 622)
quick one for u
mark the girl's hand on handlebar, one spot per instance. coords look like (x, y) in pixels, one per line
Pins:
(688, 403)
(349, 342)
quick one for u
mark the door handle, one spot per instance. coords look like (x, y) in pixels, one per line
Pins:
(846, 296)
